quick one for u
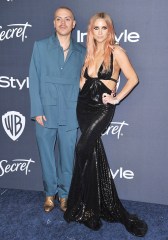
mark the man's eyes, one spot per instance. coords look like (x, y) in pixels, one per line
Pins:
(60, 19)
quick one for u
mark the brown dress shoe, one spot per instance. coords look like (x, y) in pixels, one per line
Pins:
(49, 203)
(63, 204)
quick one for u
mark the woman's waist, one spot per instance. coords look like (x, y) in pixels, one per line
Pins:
(92, 98)
(100, 84)
(91, 104)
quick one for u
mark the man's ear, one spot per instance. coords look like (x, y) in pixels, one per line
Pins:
(74, 24)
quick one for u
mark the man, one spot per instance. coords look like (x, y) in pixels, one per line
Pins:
(55, 70)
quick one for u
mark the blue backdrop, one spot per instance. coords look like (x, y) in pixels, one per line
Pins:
(136, 141)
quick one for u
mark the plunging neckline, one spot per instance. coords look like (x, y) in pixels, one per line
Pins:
(101, 66)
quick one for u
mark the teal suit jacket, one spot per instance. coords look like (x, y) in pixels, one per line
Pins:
(54, 83)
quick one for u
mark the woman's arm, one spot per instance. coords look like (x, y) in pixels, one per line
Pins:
(130, 74)
(82, 81)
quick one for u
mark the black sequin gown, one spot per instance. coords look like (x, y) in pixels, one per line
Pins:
(93, 195)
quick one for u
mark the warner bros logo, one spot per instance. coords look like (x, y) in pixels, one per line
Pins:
(14, 124)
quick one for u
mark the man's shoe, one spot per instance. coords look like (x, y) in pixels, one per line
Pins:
(63, 204)
(49, 203)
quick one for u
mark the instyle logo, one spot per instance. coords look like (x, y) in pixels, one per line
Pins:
(124, 36)
(14, 31)
(10, 82)
(115, 128)
(121, 173)
(13, 124)
(22, 165)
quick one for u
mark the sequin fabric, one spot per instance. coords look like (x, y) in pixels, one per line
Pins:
(93, 195)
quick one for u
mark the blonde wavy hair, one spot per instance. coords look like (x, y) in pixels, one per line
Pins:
(91, 43)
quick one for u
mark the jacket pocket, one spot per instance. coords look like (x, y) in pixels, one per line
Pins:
(49, 94)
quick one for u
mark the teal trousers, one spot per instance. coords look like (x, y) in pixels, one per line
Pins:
(57, 151)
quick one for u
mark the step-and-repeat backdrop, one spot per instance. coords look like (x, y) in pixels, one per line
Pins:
(136, 141)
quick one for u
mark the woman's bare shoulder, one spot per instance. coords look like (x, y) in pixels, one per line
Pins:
(118, 50)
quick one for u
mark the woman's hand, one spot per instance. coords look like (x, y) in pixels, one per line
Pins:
(109, 98)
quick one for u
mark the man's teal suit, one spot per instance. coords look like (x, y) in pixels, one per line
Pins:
(54, 87)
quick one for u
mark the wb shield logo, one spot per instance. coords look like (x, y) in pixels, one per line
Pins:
(14, 124)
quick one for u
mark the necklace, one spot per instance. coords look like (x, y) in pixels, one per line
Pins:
(66, 48)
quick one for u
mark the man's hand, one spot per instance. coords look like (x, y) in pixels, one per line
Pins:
(40, 120)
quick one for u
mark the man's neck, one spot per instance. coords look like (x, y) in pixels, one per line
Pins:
(64, 40)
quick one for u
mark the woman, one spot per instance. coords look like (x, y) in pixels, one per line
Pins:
(93, 194)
